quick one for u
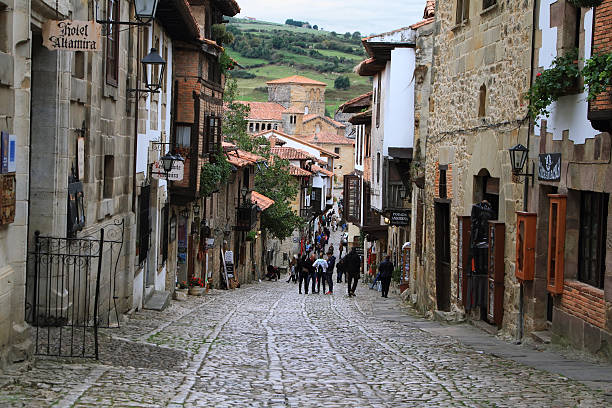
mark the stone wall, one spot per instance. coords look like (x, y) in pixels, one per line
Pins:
(491, 49)
(297, 96)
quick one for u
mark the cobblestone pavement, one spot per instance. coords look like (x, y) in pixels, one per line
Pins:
(266, 346)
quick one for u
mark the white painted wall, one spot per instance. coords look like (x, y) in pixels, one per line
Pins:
(569, 112)
(399, 104)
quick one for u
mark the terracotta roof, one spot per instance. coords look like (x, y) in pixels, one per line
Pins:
(261, 200)
(228, 7)
(296, 79)
(298, 171)
(240, 158)
(265, 110)
(430, 9)
(318, 169)
(329, 138)
(299, 140)
(312, 116)
(290, 153)
(422, 23)
(365, 99)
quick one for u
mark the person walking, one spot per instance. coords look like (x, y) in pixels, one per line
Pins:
(340, 267)
(331, 263)
(353, 270)
(305, 271)
(320, 266)
(293, 271)
(385, 270)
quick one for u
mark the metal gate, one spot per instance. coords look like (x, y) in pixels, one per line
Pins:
(71, 291)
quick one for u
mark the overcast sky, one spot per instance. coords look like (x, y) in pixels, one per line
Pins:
(365, 16)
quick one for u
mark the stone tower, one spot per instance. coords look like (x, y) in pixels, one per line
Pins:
(298, 93)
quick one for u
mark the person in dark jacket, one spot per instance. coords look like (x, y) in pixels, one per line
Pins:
(331, 263)
(352, 268)
(304, 271)
(385, 270)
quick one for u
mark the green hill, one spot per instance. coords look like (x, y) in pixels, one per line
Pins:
(270, 51)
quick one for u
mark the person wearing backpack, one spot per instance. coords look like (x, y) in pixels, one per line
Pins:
(331, 263)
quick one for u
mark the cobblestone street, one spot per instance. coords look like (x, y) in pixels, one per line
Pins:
(265, 345)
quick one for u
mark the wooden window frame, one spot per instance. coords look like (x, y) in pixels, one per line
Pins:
(600, 232)
(378, 94)
(556, 243)
(462, 15)
(487, 4)
(112, 43)
(525, 245)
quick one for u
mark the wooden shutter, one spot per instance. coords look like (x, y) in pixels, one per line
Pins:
(525, 245)
(495, 304)
(556, 243)
(464, 224)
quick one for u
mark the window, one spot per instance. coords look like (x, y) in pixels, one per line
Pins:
(78, 70)
(482, 111)
(214, 71)
(183, 136)
(112, 44)
(378, 165)
(164, 238)
(442, 183)
(109, 173)
(378, 100)
(592, 238)
(463, 11)
(213, 133)
(488, 3)
(337, 150)
(4, 32)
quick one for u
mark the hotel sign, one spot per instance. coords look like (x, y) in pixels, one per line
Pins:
(549, 167)
(67, 35)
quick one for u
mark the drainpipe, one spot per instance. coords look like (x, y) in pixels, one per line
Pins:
(521, 318)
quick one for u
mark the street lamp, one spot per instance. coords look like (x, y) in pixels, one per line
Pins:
(403, 192)
(196, 209)
(153, 67)
(145, 10)
(518, 158)
(167, 162)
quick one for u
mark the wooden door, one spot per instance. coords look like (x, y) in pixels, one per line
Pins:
(443, 254)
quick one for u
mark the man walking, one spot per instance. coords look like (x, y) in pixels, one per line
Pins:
(320, 266)
(305, 271)
(353, 269)
(385, 270)
(331, 263)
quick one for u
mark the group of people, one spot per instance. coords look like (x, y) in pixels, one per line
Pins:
(318, 268)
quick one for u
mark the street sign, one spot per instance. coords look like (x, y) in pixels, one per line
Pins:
(176, 174)
(399, 218)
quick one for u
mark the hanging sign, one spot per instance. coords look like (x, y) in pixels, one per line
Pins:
(549, 167)
(68, 35)
(176, 174)
(400, 218)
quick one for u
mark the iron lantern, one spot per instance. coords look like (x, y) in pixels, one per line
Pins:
(403, 192)
(518, 157)
(153, 67)
(145, 10)
(167, 161)
(196, 209)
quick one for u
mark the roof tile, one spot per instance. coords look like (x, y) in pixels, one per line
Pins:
(296, 79)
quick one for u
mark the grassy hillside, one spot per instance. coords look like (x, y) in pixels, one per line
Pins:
(270, 51)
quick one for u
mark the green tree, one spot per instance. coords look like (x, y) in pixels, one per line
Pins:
(356, 35)
(347, 35)
(271, 177)
(342, 82)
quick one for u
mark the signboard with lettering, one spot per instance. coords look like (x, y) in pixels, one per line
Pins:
(399, 218)
(67, 35)
(176, 174)
(549, 167)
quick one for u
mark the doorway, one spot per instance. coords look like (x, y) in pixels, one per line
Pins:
(443, 258)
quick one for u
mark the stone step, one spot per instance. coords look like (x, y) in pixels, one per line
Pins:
(542, 336)
(158, 301)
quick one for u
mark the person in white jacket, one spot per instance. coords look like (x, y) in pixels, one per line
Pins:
(320, 267)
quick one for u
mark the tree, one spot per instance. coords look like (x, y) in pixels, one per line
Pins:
(347, 35)
(315, 27)
(342, 82)
(271, 177)
(356, 35)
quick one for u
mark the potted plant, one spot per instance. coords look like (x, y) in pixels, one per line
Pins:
(250, 236)
(553, 83)
(181, 291)
(196, 286)
(597, 73)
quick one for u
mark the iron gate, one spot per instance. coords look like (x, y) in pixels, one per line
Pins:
(71, 291)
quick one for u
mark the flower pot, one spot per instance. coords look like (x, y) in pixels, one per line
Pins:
(180, 294)
(196, 291)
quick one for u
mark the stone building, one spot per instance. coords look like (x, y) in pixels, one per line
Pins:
(298, 92)
(568, 287)
(481, 70)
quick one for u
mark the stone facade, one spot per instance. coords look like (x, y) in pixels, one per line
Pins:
(481, 70)
(308, 98)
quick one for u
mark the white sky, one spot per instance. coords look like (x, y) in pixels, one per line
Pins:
(365, 16)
